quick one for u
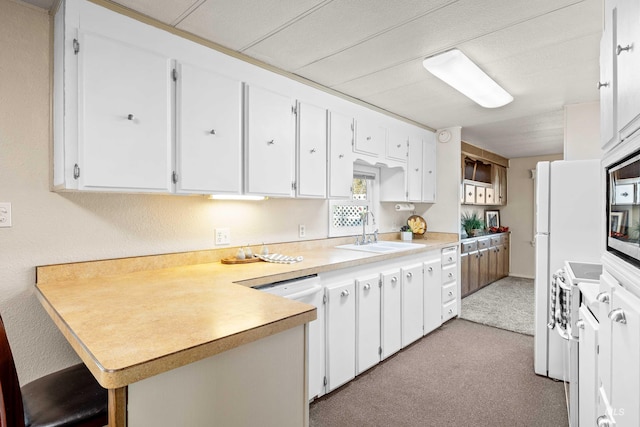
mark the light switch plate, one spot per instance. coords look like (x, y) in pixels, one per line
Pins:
(223, 236)
(5, 214)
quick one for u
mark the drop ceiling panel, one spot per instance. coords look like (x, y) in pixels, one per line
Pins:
(335, 27)
(239, 23)
(166, 11)
(445, 28)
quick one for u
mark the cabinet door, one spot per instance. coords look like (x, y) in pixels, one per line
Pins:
(367, 322)
(489, 196)
(504, 255)
(412, 303)
(625, 354)
(370, 138)
(340, 162)
(341, 334)
(607, 287)
(397, 145)
(480, 195)
(391, 313)
(474, 271)
(209, 132)
(469, 194)
(432, 295)
(607, 84)
(429, 162)
(270, 143)
(493, 264)
(587, 371)
(484, 275)
(414, 170)
(124, 117)
(312, 151)
(465, 280)
(499, 262)
(628, 57)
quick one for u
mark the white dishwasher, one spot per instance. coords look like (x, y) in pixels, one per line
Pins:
(307, 289)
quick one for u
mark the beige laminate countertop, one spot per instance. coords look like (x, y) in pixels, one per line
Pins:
(133, 318)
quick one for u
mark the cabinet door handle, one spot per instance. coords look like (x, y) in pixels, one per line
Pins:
(366, 287)
(271, 142)
(130, 117)
(313, 150)
(477, 256)
(450, 274)
(603, 297)
(340, 156)
(430, 269)
(409, 275)
(603, 421)
(621, 49)
(625, 194)
(399, 145)
(601, 85)
(394, 279)
(417, 169)
(450, 293)
(368, 138)
(618, 316)
(450, 259)
(212, 132)
(580, 324)
(344, 293)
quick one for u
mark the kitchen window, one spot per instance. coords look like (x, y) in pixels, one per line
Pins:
(345, 216)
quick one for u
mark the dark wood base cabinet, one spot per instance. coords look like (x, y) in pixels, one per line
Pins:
(483, 260)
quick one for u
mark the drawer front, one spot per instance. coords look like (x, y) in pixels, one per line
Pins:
(449, 292)
(449, 256)
(624, 194)
(480, 196)
(469, 247)
(449, 310)
(504, 239)
(469, 193)
(483, 243)
(495, 241)
(449, 273)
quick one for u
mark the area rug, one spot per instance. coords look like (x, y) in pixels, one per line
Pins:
(506, 304)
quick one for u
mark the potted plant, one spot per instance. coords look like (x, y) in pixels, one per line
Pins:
(405, 233)
(471, 223)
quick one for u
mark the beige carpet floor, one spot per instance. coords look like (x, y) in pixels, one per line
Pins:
(508, 303)
(463, 374)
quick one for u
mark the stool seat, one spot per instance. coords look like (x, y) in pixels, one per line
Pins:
(64, 398)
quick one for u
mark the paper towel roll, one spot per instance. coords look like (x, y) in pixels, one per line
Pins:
(401, 207)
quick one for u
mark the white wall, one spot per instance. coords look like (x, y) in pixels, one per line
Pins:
(519, 213)
(582, 131)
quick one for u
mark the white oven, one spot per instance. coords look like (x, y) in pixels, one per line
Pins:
(569, 283)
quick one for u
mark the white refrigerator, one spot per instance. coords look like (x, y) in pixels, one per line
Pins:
(569, 216)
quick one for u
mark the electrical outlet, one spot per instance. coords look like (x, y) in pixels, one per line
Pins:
(223, 236)
(5, 214)
(302, 230)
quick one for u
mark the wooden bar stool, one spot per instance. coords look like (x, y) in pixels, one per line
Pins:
(70, 397)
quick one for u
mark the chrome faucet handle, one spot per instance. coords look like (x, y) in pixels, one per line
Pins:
(375, 235)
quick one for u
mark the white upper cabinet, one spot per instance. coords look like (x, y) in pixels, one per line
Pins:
(627, 50)
(124, 116)
(414, 170)
(209, 132)
(269, 143)
(312, 151)
(397, 145)
(370, 138)
(429, 162)
(340, 161)
(607, 84)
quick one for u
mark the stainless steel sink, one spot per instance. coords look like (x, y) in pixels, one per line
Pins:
(382, 247)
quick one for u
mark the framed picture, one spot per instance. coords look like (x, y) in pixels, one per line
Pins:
(617, 222)
(492, 219)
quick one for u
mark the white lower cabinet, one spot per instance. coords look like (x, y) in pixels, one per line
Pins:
(391, 313)
(367, 322)
(341, 333)
(588, 370)
(412, 303)
(432, 291)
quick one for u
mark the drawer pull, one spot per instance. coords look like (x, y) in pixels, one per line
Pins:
(603, 297)
(450, 274)
(450, 293)
(580, 324)
(409, 275)
(366, 287)
(603, 421)
(130, 117)
(344, 293)
(450, 311)
(394, 279)
(450, 259)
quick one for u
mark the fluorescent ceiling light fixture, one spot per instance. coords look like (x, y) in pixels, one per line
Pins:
(235, 197)
(454, 68)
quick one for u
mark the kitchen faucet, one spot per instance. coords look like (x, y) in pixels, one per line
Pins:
(363, 216)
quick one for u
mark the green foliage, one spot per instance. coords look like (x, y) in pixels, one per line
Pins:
(471, 221)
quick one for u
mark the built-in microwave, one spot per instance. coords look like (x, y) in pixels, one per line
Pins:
(623, 209)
